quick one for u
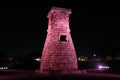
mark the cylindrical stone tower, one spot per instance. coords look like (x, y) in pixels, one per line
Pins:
(59, 55)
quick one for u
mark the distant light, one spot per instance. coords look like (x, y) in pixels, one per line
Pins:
(17, 62)
(37, 59)
(82, 58)
(103, 67)
(10, 59)
(118, 58)
(1, 68)
(94, 55)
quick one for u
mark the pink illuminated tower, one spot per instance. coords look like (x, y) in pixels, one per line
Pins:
(58, 56)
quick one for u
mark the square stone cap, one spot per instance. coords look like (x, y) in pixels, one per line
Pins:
(57, 9)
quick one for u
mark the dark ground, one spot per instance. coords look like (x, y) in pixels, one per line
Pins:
(31, 75)
(92, 73)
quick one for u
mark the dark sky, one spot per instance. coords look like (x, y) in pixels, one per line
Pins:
(94, 26)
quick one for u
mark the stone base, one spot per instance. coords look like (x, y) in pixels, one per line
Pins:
(52, 73)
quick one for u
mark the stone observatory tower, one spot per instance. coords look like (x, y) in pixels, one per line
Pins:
(58, 56)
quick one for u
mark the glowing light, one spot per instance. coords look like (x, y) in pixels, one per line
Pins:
(94, 55)
(37, 59)
(103, 67)
(82, 58)
(3, 68)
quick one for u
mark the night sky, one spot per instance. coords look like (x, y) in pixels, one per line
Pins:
(94, 27)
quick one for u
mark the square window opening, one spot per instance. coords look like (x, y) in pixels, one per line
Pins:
(63, 38)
